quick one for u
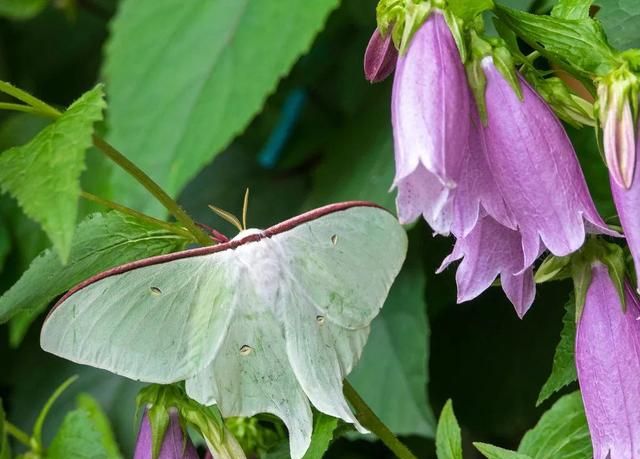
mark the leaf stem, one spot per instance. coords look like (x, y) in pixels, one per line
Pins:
(368, 418)
(172, 206)
(19, 108)
(180, 231)
(27, 98)
(16, 433)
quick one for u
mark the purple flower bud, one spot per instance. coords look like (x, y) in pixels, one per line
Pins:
(488, 251)
(174, 444)
(536, 170)
(380, 57)
(430, 106)
(608, 363)
(618, 132)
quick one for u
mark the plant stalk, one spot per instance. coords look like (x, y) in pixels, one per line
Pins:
(16, 433)
(368, 419)
(172, 206)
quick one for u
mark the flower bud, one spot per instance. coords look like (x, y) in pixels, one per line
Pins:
(175, 444)
(380, 57)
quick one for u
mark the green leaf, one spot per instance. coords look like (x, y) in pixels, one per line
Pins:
(101, 423)
(78, 438)
(495, 452)
(572, 9)
(563, 371)
(396, 357)
(5, 244)
(469, 9)
(561, 433)
(323, 427)
(620, 20)
(230, 55)
(102, 241)
(448, 436)
(361, 165)
(578, 45)
(21, 9)
(50, 166)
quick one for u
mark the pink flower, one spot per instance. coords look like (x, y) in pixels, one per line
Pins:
(380, 57)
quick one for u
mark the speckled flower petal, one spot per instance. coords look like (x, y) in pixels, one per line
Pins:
(536, 169)
(430, 104)
(488, 251)
(627, 203)
(608, 364)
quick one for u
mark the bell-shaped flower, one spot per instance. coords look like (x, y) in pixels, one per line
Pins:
(627, 203)
(536, 170)
(607, 356)
(618, 127)
(488, 251)
(380, 57)
(430, 111)
(176, 444)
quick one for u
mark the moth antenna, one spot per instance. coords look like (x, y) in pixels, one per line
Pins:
(245, 206)
(228, 216)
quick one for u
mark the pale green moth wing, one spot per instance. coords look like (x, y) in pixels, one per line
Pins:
(263, 323)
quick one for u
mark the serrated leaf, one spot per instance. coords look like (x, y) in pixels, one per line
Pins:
(102, 241)
(230, 53)
(572, 9)
(44, 174)
(360, 165)
(396, 357)
(578, 45)
(323, 427)
(561, 433)
(21, 9)
(495, 452)
(563, 371)
(469, 9)
(77, 438)
(620, 20)
(448, 436)
(101, 423)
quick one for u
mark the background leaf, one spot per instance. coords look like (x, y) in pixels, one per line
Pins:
(21, 9)
(620, 20)
(323, 427)
(495, 452)
(448, 435)
(230, 53)
(396, 357)
(101, 242)
(50, 165)
(561, 433)
(563, 371)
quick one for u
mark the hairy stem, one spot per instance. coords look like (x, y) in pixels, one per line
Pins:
(172, 206)
(180, 231)
(16, 433)
(368, 419)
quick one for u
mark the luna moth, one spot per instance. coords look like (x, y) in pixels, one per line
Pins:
(266, 322)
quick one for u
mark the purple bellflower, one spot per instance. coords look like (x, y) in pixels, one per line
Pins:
(539, 196)
(174, 444)
(380, 57)
(608, 362)
(430, 111)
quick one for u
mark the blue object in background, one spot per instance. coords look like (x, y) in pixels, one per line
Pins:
(291, 110)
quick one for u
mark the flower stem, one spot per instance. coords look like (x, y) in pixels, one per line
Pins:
(368, 419)
(180, 231)
(16, 433)
(172, 206)
(19, 108)
(23, 96)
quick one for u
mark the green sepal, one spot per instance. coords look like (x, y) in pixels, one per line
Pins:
(553, 268)
(581, 274)
(503, 61)
(613, 257)
(456, 26)
(158, 415)
(402, 18)
(578, 45)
